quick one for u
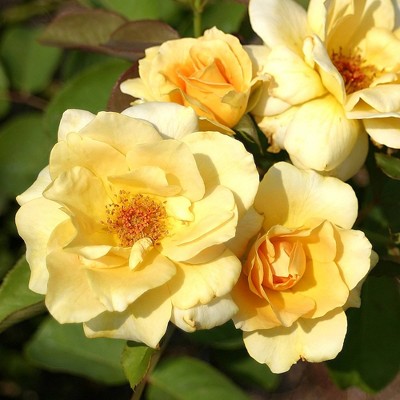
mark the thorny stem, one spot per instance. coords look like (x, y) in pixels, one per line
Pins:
(137, 393)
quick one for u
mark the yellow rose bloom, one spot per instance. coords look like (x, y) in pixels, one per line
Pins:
(333, 76)
(303, 269)
(212, 74)
(126, 227)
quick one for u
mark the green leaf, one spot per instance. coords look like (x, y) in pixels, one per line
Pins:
(165, 10)
(227, 15)
(65, 348)
(186, 378)
(131, 39)
(244, 369)
(89, 90)
(84, 28)
(371, 354)
(389, 165)
(136, 359)
(17, 301)
(24, 151)
(29, 64)
(4, 102)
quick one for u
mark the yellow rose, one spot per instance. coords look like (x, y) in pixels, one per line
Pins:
(126, 227)
(305, 267)
(211, 74)
(334, 74)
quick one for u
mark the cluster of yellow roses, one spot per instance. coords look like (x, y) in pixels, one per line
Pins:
(152, 215)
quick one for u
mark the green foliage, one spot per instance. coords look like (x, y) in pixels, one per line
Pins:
(33, 72)
(389, 165)
(17, 301)
(88, 90)
(81, 69)
(185, 378)
(24, 151)
(65, 348)
(4, 101)
(370, 358)
(136, 360)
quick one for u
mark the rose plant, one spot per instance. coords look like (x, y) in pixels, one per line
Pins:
(167, 235)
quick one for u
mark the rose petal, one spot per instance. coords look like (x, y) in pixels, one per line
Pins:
(145, 320)
(315, 126)
(224, 161)
(69, 297)
(171, 120)
(207, 316)
(37, 188)
(279, 22)
(291, 197)
(116, 288)
(36, 222)
(196, 284)
(254, 312)
(313, 340)
(354, 256)
(169, 156)
(215, 223)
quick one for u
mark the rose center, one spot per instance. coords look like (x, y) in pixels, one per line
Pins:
(286, 265)
(131, 218)
(355, 72)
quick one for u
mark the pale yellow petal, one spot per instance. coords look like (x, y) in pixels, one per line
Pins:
(171, 120)
(279, 22)
(320, 136)
(382, 99)
(314, 340)
(291, 197)
(145, 320)
(69, 296)
(223, 160)
(215, 221)
(76, 189)
(36, 222)
(116, 288)
(146, 179)
(289, 306)
(323, 283)
(350, 21)
(37, 188)
(293, 81)
(73, 121)
(382, 49)
(248, 227)
(258, 55)
(85, 152)
(320, 245)
(354, 256)
(170, 156)
(254, 312)
(136, 88)
(120, 131)
(196, 284)
(385, 131)
(315, 50)
(204, 316)
(355, 160)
